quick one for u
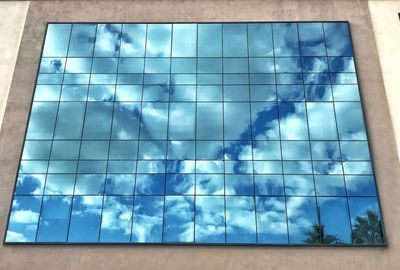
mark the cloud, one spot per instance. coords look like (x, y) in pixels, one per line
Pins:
(24, 216)
(15, 237)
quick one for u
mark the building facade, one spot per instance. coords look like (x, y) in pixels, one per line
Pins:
(376, 96)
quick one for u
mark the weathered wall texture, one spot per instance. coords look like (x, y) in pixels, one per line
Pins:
(12, 20)
(196, 257)
(386, 25)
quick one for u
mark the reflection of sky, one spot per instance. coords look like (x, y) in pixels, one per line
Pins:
(183, 132)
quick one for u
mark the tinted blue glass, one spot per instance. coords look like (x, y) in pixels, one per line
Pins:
(271, 220)
(210, 219)
(337, 38)
(82, 40)
(366, 211)
(85, 219)
(311, 37)
(57, 40)
(235, 40)
(108, 40)
(116, 219)
(133, 40)
(54, 219)
(302, 220)
(158, 42)
(24, 218)
(286, 41)
(240, 219)
(207, 32)
(217, 133)
(179, 219)
(147, 224)
(334, 219)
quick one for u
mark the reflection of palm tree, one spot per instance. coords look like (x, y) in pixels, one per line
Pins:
(317, 235)
(368, 229)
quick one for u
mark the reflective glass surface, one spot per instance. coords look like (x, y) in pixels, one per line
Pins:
(232, 133)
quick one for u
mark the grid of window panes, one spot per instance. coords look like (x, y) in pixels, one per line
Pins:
(233, 133)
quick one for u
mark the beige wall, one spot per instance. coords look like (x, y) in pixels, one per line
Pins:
(197, 257)
(12, 20)
(386, 25)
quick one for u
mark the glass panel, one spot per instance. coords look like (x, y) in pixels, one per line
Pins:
(42, 119)
(271, 220)
(366, 221)
(235, 40)
(237, 121)
(240, 219)
(116, 219)
(338, 42)
(181, 121)
(321, 121)
(82, 40)
(311, 37)
(24, 218)
(210, 184)
(57, 40)
(293, 121)
(54, 219)
(210, 219)
(335, 223)
(350, 128)
(207, 32)
(302, 220)
(260, 39)
(209, 121)
(158, 40)
(154, 121)
(179, 219)
(133, 40)
(184, 40)
(147, 226)
(286, 42)
(108, 40)
(85, 219)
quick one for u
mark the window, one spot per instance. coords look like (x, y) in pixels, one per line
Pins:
(233, 133)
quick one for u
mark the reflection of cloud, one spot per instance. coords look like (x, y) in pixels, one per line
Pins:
(147, 219)
(240, 213)
(271, 216)
(24, 216)
(293, 122)
(117, 214)
(15, 237)
(179, 223)
(210, 217)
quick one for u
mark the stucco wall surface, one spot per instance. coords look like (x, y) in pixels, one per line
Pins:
(202, 257)
(386, 25)
(12, 20)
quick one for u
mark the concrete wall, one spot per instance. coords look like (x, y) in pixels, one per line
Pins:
(386, 25)
(200, 257)
(12, 20)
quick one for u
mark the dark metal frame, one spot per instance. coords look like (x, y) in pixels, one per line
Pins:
(256, 245)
